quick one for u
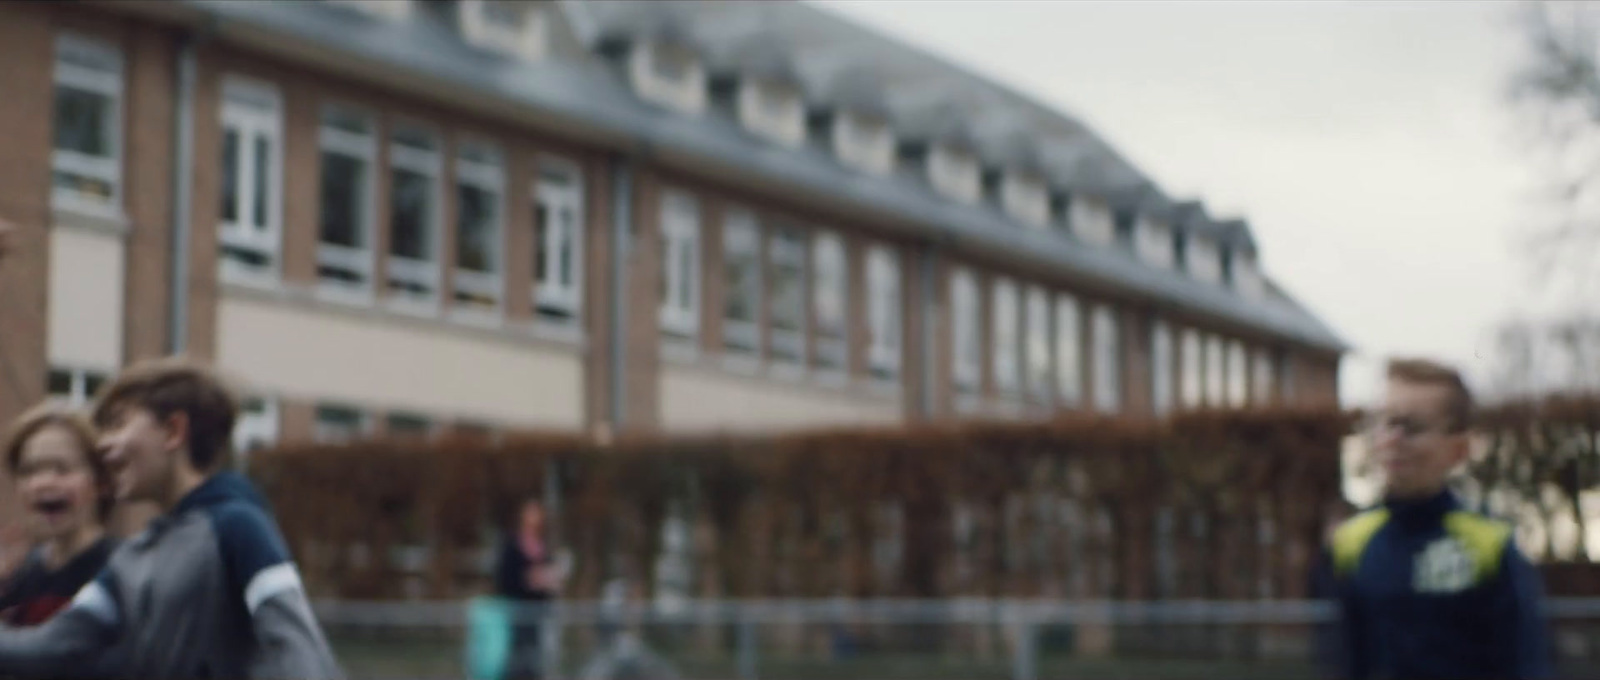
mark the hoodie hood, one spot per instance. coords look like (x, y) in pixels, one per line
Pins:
(220, 488)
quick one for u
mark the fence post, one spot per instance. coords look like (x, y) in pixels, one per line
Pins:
(747, 648)
(1025, 666)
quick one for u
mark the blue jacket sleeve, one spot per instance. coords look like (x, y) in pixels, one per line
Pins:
(1518, 609)
(289, 642)
(1355, 660)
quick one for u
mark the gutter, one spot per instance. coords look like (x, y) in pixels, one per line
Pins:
(183, 183)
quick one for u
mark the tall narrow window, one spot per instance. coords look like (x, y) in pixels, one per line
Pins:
(344, 235)
(1107, 360)
(1069, 353)
(1216, 379)
(1038, 347)
(883, 312)
(788, 284)
(1238, 375)
(73, 387)
(1007, 318)
(480, 195)
(1193, 390)
(741, 267)
(830, 281)
(965, 341)
(252, 178)
(558, 242)
(414, 215)
(87, 158)
(1160, 368)
(680, 264)
(1262, 379)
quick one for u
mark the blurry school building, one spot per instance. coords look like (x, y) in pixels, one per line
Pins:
(409, 215)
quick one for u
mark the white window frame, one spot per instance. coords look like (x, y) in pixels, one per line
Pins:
(884, 312)
(680, 234)
(773, 110)
(262, 425)
(966, 340)
(1153, 239)
(1238, 375)
(1040, 374)
(1192, 383)
(787, 246)
(1107, 339)
(104, 78)
(529, 42)
(78, 392)
(1006, 334)
(321, 431)
(252, 108)
(481, 166)
(685, 95)
(1263, 379)
(1161, 355)
(1069, 350)
(864, 143)
(831, 257)
(1092, 220)
(955, 173)
(425, 272)
(1026, 198)
(361, 261)
(551, 299)
(741, 237)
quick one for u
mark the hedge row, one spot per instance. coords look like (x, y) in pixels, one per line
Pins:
(1203, 505)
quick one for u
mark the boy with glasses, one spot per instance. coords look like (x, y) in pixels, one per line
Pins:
(1427, 589)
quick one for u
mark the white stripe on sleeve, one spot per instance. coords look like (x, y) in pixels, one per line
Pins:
(96, 600)
(273, 580)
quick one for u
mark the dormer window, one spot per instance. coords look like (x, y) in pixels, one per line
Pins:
(515, 28)
(864, 142)
(1025, 198)
(668, 74)
(954, 172)
(398, 10)
(774, 110)
(1155, 242)
(1204, 262)
(1248, 279)
(1091, 220)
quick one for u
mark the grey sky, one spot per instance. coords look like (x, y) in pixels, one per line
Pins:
(1367, 142)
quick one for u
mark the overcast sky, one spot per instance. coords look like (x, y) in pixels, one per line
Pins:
(1368, 143)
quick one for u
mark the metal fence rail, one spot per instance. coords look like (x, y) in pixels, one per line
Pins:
(966, 638)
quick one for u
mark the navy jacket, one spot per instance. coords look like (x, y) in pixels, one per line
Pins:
(1429, 591)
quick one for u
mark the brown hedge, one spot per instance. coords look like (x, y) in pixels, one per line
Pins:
(1063, 508)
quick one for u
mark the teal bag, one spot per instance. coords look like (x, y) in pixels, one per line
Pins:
(488, 638)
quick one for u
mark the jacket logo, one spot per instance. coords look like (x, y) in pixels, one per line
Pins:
(1443, 567)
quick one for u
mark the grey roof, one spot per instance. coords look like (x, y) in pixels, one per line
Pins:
(1237, 234)
(587, 100)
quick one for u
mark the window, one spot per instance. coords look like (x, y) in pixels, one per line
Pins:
(788, 257)
(830, 282)
(1007, 318)
(414, 215)
(1069, 357)
(408, 425)
(1216, 379)
(741, 271)
(954, 173)
(668, 75)
(883, 312)
(1091, 220)
(1203, 261)
(1286, 377)
(1193, 383)
(509, 26)
(1261, 378)
(558, 242)
(1160, 368)
(1155, 242)
(344, 245)
(1025, 198)
(338, 424)
(73, 387)
(680, 264)
(480, 182)
(965, 341)
(256, 428)
(773, 110)
(252, 178)
(87, 159)
(1038, 347)
(864, 143)
(1238, 375)
(1107, 361)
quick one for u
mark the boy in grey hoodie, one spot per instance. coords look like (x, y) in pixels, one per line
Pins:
(208, 590)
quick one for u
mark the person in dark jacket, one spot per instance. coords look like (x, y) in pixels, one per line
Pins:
(1426, 589)
(66, 497)
(527, 573)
